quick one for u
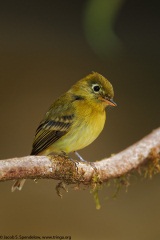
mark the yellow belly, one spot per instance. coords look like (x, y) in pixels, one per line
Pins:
(82, 133)
(87, 125)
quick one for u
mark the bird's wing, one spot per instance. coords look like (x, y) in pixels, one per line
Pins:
(49, 131)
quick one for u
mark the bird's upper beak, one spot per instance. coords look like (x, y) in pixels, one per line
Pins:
(109, 101)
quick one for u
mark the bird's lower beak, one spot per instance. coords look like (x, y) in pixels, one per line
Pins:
(109, 101)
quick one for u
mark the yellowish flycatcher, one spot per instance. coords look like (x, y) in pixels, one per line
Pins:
(74, 120)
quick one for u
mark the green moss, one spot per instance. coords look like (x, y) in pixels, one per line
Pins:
(119, 183)
(152, 165)
(96, 198)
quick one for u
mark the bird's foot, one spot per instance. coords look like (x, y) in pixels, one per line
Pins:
(82, 160)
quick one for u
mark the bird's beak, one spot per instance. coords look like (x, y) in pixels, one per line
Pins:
(109, 101)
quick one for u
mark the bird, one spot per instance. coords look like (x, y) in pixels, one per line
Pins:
(74, 120)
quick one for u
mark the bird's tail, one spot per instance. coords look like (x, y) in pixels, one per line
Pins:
(18, 185)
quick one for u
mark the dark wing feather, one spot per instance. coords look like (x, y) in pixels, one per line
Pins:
(49, 132)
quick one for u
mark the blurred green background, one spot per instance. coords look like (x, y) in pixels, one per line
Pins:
(45, 47)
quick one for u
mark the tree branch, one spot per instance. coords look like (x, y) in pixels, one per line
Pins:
(61, 168)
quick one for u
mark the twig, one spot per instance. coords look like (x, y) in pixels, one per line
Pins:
(61, 168)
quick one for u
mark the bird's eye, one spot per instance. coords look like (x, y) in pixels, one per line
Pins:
(96, 88)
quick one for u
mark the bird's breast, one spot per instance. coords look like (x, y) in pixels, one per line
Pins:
(87, 125)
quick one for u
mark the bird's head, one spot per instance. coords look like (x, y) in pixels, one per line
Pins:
(95, 87)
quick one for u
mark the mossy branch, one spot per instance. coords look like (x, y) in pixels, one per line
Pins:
(144, 153)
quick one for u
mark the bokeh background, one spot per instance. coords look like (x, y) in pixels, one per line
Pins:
(45, 47)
